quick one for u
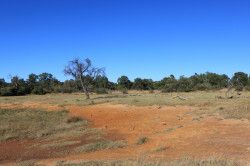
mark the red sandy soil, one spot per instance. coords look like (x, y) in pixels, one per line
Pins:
(171, 127)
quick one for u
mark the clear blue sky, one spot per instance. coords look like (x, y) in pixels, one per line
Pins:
(137, 38)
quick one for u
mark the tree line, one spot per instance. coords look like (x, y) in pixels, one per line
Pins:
(90, 79)
(47, 83)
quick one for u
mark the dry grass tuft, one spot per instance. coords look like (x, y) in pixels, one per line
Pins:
(32, 124)
(142, 140)
(74, 119)
(207, 101)
(142, 162)
(102, 144)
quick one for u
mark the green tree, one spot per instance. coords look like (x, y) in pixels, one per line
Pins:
(199, 82)
(217, 81)
(4, 90)
(248, 84)
(47, 83)
(138, 84)
(240, 80)
(17, 87)
(143, 84)
(112, 86)
(69, 86)
(183, 84)
(124, 82)
(101, 82)
(169, 84)
(2, 83)
(32, 81)
(43, 83)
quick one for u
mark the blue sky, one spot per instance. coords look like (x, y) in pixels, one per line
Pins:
(137, 38)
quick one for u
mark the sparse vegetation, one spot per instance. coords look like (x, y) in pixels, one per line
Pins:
(177, 82)
(160, 149)
(208, 102)
(180, 162)
(102, 144)
(31, 124)
(27, 163)
(57, 144)
(18, 124)
(142, 140)
(74, 119)
(56, 125)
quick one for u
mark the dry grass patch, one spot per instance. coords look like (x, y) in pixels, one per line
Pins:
(160, 149)
(142, 162)
(236, 112)
(32, 124)
(102, 144)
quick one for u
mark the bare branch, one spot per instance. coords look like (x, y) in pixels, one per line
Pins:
(84, 72)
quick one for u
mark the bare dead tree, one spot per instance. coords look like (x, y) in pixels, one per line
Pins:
(84, 72)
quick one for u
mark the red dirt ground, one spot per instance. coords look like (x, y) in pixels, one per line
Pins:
(171, 127)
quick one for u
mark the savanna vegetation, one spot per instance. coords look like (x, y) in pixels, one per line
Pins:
(46, 117)
(87, 78)
(49, 134)
(142, 162)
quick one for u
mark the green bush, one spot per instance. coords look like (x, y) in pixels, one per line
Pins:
(123, 90)
(101, 91)
(7, 91)
(38, 90)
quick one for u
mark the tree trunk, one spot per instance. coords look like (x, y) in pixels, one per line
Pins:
(85, 90)
(86, 94)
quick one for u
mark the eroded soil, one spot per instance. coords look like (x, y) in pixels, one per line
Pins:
(172, 132)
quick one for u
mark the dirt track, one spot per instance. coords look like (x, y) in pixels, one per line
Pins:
(173, 128)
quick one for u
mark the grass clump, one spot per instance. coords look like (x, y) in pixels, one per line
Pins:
(27, 163)
(236, 112)
(74, 119)
(60, 144)
(32, 124)
(103, 144)
(142, 140)
(179, 162)
(101, 91)
(160, 149)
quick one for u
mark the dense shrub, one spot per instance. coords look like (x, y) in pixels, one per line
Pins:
(7, 91)
(240, 80)
(101, 91)
(2, 83)
(143, 84)
(124, 82)
(123, 90)
(47, 83)
(38, 90)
